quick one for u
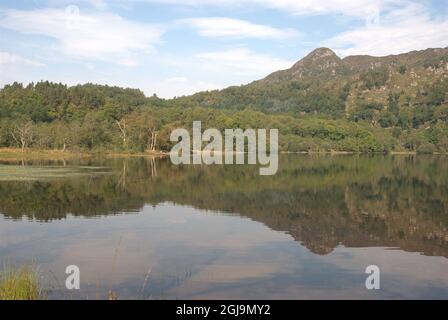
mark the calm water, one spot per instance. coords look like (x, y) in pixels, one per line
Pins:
(226, 232)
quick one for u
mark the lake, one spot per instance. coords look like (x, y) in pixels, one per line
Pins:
(145, 229)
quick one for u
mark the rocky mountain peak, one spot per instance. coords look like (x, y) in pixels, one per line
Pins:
(321, 53)
(322, 62)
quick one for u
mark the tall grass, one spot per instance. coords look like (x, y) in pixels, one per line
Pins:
(20, 284)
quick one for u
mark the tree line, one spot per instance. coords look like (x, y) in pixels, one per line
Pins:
(100, 118)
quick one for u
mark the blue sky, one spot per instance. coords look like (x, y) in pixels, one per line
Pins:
(177, 47)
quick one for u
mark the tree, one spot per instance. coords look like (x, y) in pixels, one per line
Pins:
(22, 133)
(387, 119)
(375, 78)
(67, 134)
(441, 112)
(436, 93)
(123, 126)
(4, 133)
(393, 103)
(94, 132)
(44, 135)
(150, 129)
(145, 129)
(426, 148)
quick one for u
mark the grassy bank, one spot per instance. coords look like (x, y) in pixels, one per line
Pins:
(16, 154)
(20, 284)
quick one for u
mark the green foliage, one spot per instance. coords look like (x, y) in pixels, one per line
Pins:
(441, 112)
(427, 148)
(375, 78)
(393, 101)
(435, 94)
(387, 119)
(325, 105)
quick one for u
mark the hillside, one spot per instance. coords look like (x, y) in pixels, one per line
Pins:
(358, 87)
(322, 103)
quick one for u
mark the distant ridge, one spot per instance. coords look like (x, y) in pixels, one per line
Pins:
(322, 82)
(322, 103)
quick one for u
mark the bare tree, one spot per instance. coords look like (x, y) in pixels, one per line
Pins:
(153, 140)
(138, 129)
(147, 127)
(22, 134)
(122, 125)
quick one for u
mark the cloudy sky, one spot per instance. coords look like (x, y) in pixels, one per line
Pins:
(177, 47)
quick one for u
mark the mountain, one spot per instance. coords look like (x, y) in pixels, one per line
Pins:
(321, 62)
(322, 103)
(358, 87)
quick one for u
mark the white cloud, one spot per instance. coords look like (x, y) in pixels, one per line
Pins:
(7, 58)
(236, 28)
(177, 79)
(102, 36)
(388, 26)
(401, 30)
(15, 68)
(98, 34)
(242, 61)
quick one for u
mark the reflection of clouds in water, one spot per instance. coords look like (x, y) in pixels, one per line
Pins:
(197, 254)
(153, 240)
(394, 261)
(11, 234)
(403, 274)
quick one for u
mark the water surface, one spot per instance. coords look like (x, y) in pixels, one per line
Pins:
(145, 229)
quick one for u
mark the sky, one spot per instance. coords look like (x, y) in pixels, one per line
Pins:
(178, 47)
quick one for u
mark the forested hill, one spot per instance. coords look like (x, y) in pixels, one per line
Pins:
(322, 103)
(389, 89)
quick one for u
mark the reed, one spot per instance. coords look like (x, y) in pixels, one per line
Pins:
(20, 284)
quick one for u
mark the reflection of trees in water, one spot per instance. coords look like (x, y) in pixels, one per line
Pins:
(321, 201)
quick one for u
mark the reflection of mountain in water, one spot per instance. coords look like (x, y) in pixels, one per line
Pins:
(321, 201)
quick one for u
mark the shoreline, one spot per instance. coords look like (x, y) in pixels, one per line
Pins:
(15, 154)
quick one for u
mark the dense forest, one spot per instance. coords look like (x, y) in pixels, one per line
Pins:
(323, 103)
